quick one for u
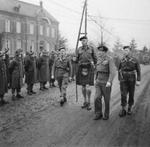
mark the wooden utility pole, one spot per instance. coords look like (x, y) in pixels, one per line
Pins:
(84, 14)
(101, 35)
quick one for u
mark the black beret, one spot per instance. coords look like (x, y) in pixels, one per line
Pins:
(126, 47)
(31, 53)
(83, 37)
(61, 48)
(102, 48)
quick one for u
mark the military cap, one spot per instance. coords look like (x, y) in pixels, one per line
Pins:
(1, 53)
(17, 52)
(127, 47)
(61, 48)
(31, 53)
(102, 48)
(83, 37)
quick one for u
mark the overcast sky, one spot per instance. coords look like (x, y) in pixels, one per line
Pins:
(123, 19)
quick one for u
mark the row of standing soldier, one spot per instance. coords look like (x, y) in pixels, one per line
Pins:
(34, 69)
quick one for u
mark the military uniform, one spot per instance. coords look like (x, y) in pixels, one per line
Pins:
(16, 72)
(43, 70)
(3, 80)
(62, 70)
(105, 72)
(128, 69)
(30, 72)
(86, 57)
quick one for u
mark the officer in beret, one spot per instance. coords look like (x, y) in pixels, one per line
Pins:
(86, 59)
(3, 79)
(129, 76)
(30, 70)
(62, 69)
(105, 73)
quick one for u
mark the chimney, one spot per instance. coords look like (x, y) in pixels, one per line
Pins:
(41, 4)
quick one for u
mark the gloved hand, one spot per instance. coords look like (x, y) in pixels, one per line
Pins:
(52, 76)
(137, 83)
(108, 84)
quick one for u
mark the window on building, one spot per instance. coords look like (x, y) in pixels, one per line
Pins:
(32, 45)
(18, 27)
(53, 32)
(7, 45)
(7, 25)
(18, 44)
(32, 28)
(48, 47)
(41, 30)
(47, 31)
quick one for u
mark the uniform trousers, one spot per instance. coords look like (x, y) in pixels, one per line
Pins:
(105, 92)
(127, 87)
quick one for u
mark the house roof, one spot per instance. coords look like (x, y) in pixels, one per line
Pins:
(26, 9)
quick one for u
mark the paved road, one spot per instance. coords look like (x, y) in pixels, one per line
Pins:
(39, 121)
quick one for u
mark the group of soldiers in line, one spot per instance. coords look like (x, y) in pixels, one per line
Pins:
(87, 63)
(129, 75)
(34, 69)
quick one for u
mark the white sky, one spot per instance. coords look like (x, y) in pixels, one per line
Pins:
(133, 22)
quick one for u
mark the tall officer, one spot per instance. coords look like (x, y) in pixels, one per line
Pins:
(86, 59)
(16, 72)
(105, 72)
(128, 68)
(3, 79)
(30, 70)
(63, 71)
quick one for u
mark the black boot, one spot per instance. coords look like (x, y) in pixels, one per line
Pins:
(129, 112)
(65, 99)
(61, 102)
(19, 96)
(33, 92)
(85, 104)
(122, 113)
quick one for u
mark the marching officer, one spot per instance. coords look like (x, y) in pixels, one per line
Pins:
(63, 71)
(3, 79)
(43, 69)
(86, 59)
(30, 70)
(129, 76)
(105, 72)
(16, 72)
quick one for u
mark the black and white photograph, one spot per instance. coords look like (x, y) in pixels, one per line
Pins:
(74, 73)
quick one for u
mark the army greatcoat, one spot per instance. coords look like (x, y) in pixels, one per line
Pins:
(30, 69)
(16, 72)
(43, 68)
(3, 78)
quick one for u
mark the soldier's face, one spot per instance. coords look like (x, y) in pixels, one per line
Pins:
(84, 42)
(62, 52)
(126, 51)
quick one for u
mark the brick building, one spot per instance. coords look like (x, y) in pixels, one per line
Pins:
(27, 26)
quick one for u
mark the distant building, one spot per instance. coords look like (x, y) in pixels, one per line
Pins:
(26, 26)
